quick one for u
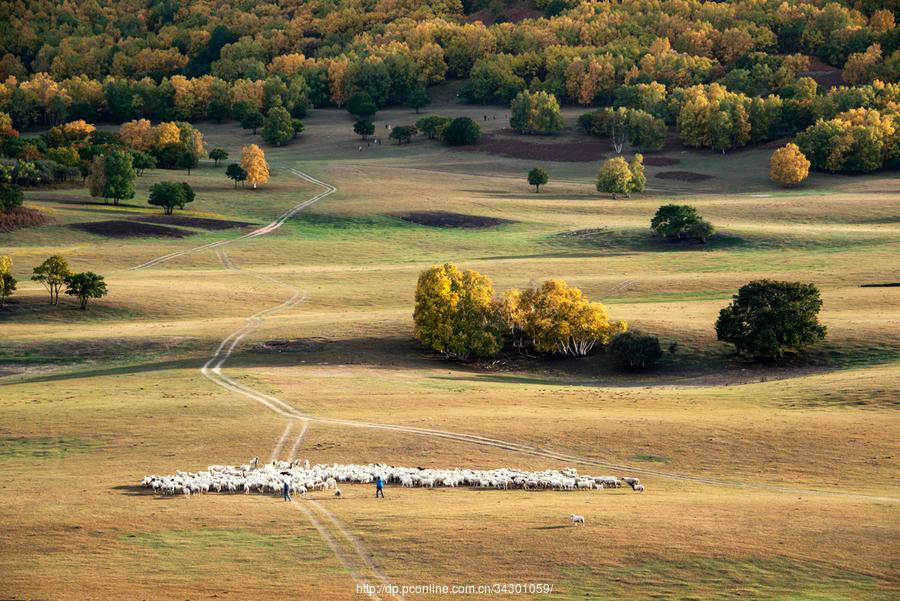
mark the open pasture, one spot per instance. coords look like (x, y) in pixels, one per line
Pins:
(763, 482)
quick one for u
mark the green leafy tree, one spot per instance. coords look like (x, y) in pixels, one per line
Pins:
(634, 350)
(418, 99)
(364, 127)
(537, 177)
(278, 127)
(187, 160)
(645, 131)
(433, 125)
(297, 126)
(535, 113)
(141, 161)
(462, 131)
(120, 176)
(403, 133)
(638, 179)
(236, 172)
(10, 197)
(217, 155)
(170, 195)
(85, 286)
(361, 105)
(680, 222)
(455, 315)
(766, 318)
(7, 286)
(253, 120)
(52, 273)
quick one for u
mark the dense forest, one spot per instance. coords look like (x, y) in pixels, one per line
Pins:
(724, 74)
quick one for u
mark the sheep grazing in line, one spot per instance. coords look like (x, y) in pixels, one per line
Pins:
(577, 519)
(269, 478)
(638, 488)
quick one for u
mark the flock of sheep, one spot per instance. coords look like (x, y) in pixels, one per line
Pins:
(303, 478)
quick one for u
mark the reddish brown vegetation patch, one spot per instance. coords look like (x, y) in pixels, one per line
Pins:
(20, 218)
(658, 161)
(130, 229)
(450, 220)
(825, 75)
(512, 13)
(519, 148)
(199, 222)
(684, 176)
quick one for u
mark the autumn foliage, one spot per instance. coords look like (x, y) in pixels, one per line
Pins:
(789, 166)
(253, 162)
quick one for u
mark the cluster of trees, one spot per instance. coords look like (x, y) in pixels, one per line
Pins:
(458, 315)
(637, 127)
(618, 176)
(857, 141)
(461, 131)
(535, 113)
(196, 60)
(678, 223)
(54, 274)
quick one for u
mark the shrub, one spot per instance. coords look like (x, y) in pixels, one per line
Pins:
(537, 177)
(10, 197)
(634, 350)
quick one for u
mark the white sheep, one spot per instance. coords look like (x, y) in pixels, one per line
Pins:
(638, 488)
(577, 519)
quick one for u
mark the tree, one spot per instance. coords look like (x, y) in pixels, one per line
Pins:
(537, 177)
(52, 273)
(364, 127)
(535, 113)
(680, 222)
(454, 313)
(85, 286)
(634, 350)
(7, 286)
(170, 195)
(120, 176)
(403, 133)
(252, 121)
(361, 105)
(462, 131)
(187, 160)
(141, 161)
(218, 154)
(767, 318)
(788, 165)
(236, 172)
(253, 162)
(559, 319)
(10, 197)
(433, 125)
(638, 179)
(645, 131)
(614, 177)
(278, 128)
(418, 99)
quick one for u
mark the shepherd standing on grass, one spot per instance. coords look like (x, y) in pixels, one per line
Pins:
(286, 491)
(379, 488)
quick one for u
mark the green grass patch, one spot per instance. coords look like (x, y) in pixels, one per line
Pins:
(650, 458)
(711, 578)
(45, 447)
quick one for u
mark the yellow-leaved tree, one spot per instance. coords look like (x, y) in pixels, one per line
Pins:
(789, 166)
(559, 319)
(455, 314)
(253, 161)
(167, 134)
(138, 134)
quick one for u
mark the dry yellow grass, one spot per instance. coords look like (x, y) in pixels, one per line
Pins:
(91, 402)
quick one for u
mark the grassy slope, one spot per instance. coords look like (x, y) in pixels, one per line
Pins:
(97, 400)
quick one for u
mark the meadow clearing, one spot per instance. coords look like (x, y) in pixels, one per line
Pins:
(763, 482)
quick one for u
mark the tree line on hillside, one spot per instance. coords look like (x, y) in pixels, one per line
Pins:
(458, 315)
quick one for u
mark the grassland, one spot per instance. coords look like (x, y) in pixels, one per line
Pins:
(90, 402)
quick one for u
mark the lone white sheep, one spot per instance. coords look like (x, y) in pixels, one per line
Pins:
(577, 519)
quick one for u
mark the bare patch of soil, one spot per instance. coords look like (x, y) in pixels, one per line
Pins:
(684, 176)
(198, 222)
(660, 161)
(509, 144)
(302, 345)
(130, 229)
(825, 75)
(585, 233)
(446, 219)
(20, 218)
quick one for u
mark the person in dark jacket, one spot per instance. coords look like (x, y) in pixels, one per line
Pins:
(286, 491)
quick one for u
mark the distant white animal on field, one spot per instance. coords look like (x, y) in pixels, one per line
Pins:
(254, 462)
(577, 519)
(337, 492)
(638, 488)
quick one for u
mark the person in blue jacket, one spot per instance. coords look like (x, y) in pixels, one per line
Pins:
(379, 488)
(286, 491)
